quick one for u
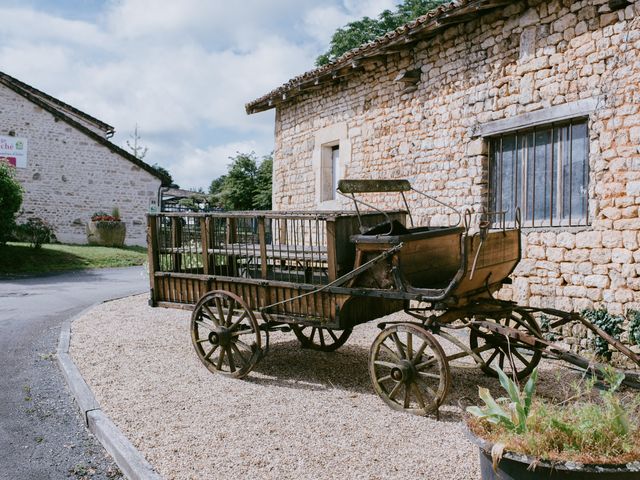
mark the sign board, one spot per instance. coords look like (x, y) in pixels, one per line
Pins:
(14, 151)
(153, 206)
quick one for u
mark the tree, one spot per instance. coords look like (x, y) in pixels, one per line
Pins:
(10, 201)
(262, 196)
(137, 150)
(246, 186)
(367, 29)
(167, 179)
(240, 183)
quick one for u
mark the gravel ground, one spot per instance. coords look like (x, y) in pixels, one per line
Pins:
(300, 414)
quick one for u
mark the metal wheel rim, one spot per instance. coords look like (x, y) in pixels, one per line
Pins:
(419, 388)
(525, 359)
(225, 334)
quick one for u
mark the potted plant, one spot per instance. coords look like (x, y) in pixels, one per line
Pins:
(106, 230)
(589, 436)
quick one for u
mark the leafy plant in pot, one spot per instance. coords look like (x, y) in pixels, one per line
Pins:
(521, 437)
(106, 230)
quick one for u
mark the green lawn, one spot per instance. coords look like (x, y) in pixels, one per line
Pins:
(19, 258)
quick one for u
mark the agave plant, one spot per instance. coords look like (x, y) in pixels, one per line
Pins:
(514, 417)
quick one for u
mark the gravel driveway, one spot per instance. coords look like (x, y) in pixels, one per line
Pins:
(300, 414)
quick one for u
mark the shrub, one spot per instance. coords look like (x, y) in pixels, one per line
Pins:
(583, 428)
(612, 324)
(35, 231)
(105, 217)
(634, 326)
(10, 201)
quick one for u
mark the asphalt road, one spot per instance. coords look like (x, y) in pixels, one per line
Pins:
(42, 435)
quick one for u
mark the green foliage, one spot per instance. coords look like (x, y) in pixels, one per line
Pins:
(367, 29)
(634, 326)
(167, 179)
(246, 185)
(518, 405)
(115, 213)
(10, 201)
(612, 324)
(35, 231)
(262, 195)
(585, 428)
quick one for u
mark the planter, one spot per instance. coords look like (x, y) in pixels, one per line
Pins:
(106, 233)
(514, 466)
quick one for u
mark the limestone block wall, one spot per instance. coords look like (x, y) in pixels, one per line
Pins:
(527, 57)
(69, 175)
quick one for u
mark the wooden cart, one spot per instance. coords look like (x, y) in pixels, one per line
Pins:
(319, 274)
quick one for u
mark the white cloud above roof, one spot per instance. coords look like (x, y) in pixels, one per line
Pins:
(181, 70)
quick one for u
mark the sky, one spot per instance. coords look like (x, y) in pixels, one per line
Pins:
(181, 71)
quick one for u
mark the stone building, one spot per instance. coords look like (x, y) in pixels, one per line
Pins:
(490, 105)
(68, 167)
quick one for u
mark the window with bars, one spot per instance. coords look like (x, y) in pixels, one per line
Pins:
(544, 171)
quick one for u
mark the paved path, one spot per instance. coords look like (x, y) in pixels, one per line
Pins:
(42, 435)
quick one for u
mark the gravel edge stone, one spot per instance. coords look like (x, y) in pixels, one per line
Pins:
(127, 457)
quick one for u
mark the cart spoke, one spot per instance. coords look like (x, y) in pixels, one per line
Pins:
(205, 325)
(419, 396)
(520, 357)
(409, 346)
(395, 390)
(501, 359)
(419, 353)
(391, 352)
(407, 396)
(321, 336)
(423, 365)
(398, 343)
(220, 309)
(426, 387)
(232, 304)
(232, 363)
(493, 355)
(333, 335)
(220, 359)
(430, 375)
(238, 321)
(235, 348)
(384, 364)
(212, 317)
(384, 378)
(213, 349)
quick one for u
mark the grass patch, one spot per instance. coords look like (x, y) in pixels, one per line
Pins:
(19, 258)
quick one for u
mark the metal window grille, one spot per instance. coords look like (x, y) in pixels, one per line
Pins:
(544, 171)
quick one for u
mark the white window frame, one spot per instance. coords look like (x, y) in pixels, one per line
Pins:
(326, 178)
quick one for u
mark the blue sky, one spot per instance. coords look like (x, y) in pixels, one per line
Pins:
(182, 70)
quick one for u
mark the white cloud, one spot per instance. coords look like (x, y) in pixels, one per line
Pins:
(182, 71)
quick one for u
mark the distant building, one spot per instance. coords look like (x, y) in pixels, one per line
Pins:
(490, 105)
(68, 167)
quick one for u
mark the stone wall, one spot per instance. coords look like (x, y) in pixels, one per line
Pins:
(69, 175)
(527, 57)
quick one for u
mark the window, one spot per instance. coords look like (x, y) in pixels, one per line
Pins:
(544, 171)
(330, 171)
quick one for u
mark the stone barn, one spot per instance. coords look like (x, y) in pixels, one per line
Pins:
(68, 167)
(490, 105)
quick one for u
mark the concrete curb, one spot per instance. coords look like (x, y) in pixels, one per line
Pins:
(129, 460)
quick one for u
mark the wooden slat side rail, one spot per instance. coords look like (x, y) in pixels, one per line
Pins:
(204, 238)
(152, 252)
(176, 242)
(331, 250)
(262, 238)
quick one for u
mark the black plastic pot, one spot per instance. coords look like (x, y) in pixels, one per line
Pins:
(514, 466)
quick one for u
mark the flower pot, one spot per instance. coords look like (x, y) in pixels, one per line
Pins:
(106, 233)
(514, 466)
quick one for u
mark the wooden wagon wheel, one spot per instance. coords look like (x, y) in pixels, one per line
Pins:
(509, 354)
(225, 334)
(409, 369)
(322, 339)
